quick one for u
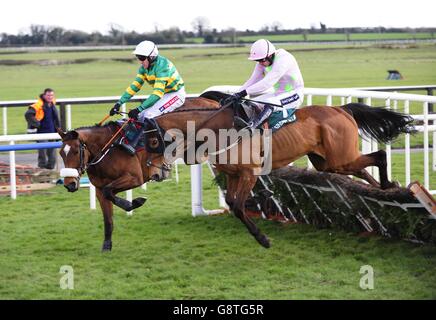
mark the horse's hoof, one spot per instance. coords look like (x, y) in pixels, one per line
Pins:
(264, 241)
(136, 203)
(107, 246)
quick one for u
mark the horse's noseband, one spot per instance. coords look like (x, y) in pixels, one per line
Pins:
(164, 167)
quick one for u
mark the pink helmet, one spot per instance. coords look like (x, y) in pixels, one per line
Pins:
(261, 49)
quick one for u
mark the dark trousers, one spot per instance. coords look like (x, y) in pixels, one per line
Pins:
(46, 157)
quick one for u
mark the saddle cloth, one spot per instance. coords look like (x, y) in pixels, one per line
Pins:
(276, 120)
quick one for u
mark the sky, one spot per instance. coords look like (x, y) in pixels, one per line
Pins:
(145, 16)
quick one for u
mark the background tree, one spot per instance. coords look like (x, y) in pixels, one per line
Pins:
(323, 27)
(200, 25)
(276, 26)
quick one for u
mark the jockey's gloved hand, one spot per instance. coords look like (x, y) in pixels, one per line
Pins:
(134, 113)
(115, 109)
(235, 97)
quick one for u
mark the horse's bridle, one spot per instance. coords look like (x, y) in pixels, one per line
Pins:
(84, 166)
(164, 167)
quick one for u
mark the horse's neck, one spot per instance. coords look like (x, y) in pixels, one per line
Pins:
(95, 137)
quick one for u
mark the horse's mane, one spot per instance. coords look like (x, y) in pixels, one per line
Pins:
(107, 124)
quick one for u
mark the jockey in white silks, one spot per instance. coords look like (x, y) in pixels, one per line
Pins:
(275, 69)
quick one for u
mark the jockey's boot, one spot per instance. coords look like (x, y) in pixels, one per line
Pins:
(134, 142)
(266, 112)
(127, 147)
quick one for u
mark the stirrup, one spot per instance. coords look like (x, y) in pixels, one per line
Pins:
(127, 147)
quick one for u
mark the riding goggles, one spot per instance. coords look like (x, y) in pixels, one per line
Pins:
(261, 60)
(141, 58)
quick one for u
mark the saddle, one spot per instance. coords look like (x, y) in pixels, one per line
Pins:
(149, 129)
(246, 111)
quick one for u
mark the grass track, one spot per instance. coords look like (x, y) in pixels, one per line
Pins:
(161, 252)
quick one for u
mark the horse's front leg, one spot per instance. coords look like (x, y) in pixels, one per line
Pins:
(245, 184)
(107, 209)
(125, 182)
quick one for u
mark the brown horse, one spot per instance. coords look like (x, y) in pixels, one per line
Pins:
(328, 135)
(110, 173)
(116, 171)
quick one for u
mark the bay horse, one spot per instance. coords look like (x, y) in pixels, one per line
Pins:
(327, 135)
(117, 171)
(110, 173)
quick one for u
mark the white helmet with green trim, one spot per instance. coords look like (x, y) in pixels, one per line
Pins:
(147, 49)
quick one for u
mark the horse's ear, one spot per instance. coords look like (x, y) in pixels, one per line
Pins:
(72, 135)
(61, 133)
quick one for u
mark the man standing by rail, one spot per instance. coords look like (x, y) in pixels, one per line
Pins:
(42, 117)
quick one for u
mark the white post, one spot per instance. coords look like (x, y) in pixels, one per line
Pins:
(68, 109)
(176, 171)
(407, 147)
(129, 197)
(123, 109)
(434, 149)
(309, 100)
(12, 173)
(5, 120)
(426, 142)
(329, 100)
(196, 191)
(92, 203)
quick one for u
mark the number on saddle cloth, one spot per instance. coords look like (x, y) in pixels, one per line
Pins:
(276, 120)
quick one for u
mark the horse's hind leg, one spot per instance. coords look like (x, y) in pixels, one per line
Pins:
(381, 163)
(107, 209)
(246, 183)
(363, 174)
(377, 159)
(317, 161)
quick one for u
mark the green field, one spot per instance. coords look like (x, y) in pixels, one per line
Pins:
(161, 252)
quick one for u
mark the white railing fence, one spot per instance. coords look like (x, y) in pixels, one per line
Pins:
(388, 99)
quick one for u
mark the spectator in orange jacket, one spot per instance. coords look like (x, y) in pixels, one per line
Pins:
(42, 117)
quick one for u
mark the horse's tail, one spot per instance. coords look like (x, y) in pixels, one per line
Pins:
(379, 123)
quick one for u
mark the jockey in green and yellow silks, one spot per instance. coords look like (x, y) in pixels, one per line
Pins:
(159, 72)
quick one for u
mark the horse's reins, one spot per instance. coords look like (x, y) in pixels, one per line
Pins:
(103, 151)
(222, 108)
(263, 102)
